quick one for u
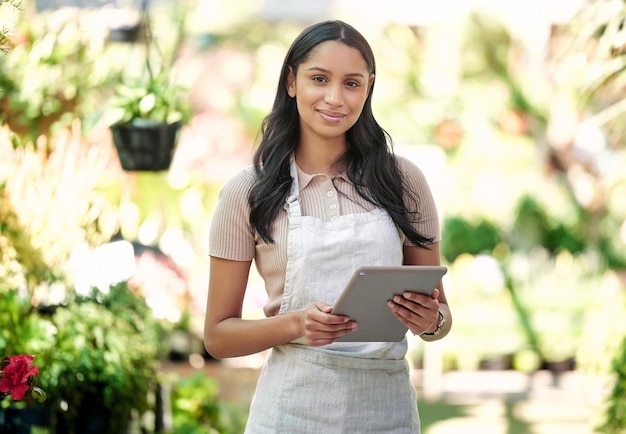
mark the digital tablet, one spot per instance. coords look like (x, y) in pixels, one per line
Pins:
(365, 297)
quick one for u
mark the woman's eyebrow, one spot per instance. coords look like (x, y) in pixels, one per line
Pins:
(320, 69)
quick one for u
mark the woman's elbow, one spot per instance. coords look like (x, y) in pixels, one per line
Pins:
(213, 348)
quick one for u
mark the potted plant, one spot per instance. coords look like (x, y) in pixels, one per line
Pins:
(107, 353)
(145, 118)
(147, 112)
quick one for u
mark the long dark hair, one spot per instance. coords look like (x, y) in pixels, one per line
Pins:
(369, 161)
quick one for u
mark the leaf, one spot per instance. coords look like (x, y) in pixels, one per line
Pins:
(38, 394)
(115, 115)
(174, 117)
(147, 103)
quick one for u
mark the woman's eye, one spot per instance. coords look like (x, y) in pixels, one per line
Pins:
(353, 84)
(319, 79)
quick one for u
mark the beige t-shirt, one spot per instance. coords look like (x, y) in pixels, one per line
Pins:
(231, 236)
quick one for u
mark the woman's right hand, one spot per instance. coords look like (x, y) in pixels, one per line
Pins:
(321, 327)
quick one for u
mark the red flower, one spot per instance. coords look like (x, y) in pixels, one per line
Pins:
(16, 374)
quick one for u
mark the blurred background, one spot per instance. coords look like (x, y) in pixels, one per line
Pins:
(515, 111)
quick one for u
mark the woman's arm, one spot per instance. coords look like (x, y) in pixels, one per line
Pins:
(226, 334)
(419, 312)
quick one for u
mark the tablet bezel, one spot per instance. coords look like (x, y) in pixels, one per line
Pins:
(364, 299)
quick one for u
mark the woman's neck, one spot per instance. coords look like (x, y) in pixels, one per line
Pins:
(313, 159)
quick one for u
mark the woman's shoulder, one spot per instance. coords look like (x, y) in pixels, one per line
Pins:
(408, 167)
(241, 181)
(237, 188)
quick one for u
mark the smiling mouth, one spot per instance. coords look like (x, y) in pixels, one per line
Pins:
(331, 116)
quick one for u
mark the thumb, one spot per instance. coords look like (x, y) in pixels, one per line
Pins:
(326, 308)
(435, 294)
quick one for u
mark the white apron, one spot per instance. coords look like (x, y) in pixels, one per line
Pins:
(354, 388)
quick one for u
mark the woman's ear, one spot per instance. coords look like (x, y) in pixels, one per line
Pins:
(291, 83)
(371, 81)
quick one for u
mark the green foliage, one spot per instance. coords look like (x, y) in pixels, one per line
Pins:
(106, 345)
(610, 244)
(22, 262)
(598, 31)
(197, 408)
(5, 32)
(488, 44)
(154, 94)
(24, 329)
(463, 236)
(534, 227)
(615, 415)
(555, 294)
(481, 301)
(157, 99)
(52, 75)
(49, 204)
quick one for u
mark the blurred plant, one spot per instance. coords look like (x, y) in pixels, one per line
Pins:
(614, 418)
(599, 30)
(534, 226)
(586, 133)
(554, 292)
(24, 329)
(153, 93)
(197, 408)
(586, 137)
(107, 348)
(489, 56)
(148, 109)
(157, 99)
(5, 32)
(483, 290)
(576, 209)
(463, 236)
(51, 203)
(57, 70)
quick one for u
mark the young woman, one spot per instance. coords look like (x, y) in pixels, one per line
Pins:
(325, 195)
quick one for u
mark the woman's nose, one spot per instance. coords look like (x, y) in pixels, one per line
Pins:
(333, 96)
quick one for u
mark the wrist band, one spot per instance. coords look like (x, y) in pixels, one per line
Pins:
(440, 324)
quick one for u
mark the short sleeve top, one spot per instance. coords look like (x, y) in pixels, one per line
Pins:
(231, 236)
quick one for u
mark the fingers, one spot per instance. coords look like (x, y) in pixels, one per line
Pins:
(321, 327)
(416, 311)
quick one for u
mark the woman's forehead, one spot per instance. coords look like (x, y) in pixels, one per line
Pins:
(334, 56)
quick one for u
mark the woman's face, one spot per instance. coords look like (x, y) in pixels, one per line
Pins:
(330, 88)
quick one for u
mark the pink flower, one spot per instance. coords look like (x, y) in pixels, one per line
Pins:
(15, 376)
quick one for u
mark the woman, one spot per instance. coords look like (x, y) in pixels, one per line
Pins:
(324, 196)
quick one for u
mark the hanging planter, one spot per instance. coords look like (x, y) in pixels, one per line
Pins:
(145, 145)
(125, 33)
(125, 25)
(147, 112)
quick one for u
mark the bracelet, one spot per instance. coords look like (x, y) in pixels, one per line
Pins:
(440, 324)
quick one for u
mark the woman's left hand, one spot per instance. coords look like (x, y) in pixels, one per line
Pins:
(418, 312)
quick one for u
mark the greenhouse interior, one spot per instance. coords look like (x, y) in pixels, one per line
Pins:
(514, 111)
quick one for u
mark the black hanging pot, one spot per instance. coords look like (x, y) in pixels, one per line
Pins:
(125, 33)
(145, 145)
